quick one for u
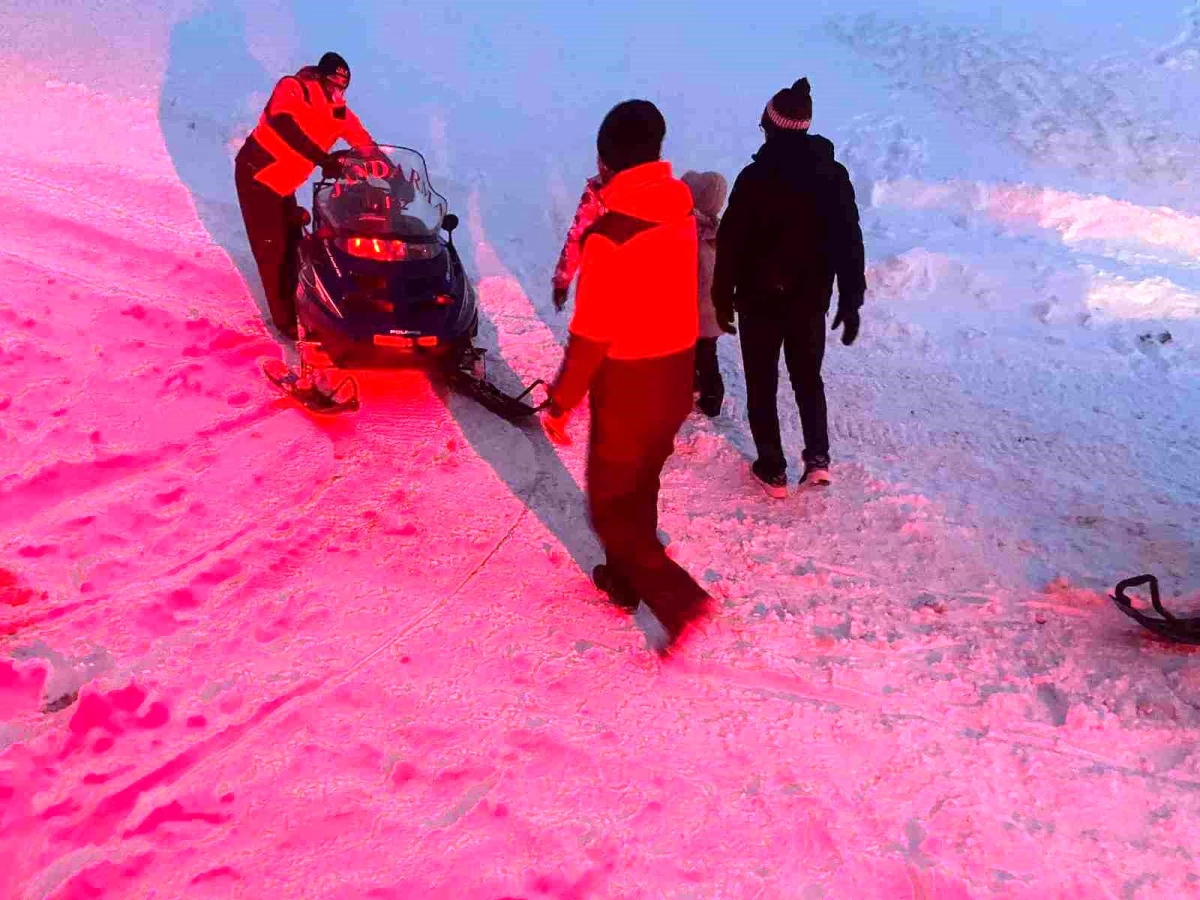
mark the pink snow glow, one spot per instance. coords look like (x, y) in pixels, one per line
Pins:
(248, 653)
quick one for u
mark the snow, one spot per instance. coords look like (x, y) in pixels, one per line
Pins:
(246, 653)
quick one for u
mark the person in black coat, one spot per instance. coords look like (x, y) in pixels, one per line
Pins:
(790, 228)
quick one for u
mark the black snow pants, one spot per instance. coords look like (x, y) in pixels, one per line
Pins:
(708, 380)
(274, 234)
(799, 331)
(637, 408)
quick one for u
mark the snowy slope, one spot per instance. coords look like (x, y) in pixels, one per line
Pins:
(244, 653)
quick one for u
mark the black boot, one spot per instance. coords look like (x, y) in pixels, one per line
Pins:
(664, 623)
(615, 586)
(708, 378)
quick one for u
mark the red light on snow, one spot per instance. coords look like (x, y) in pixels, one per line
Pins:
(387, 249)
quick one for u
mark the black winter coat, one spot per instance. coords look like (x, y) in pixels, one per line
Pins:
(791, 226)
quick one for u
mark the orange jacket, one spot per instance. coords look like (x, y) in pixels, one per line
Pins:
(638, 279)
(299, 127)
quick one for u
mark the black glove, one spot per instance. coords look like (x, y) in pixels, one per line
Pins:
(559, 297)
(298, 216)
(332, 167)
(725, 321)
(847, 315)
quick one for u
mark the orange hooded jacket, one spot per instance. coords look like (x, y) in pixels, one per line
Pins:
(634, 331)
(636, 299)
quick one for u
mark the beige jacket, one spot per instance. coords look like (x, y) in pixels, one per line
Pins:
(709, 190)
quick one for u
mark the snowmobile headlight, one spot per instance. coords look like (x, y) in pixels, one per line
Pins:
(387, 249)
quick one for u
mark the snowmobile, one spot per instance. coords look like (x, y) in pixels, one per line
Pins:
(378, 286)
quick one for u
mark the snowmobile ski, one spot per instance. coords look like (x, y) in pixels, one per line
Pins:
(310, 393)
(467, 378)
(1183, 630)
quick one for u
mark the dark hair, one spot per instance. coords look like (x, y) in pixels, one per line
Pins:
(631, 134)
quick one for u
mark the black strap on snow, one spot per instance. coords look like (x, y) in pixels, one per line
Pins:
(1183, 630)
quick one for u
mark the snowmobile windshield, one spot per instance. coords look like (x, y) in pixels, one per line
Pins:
(385, 194)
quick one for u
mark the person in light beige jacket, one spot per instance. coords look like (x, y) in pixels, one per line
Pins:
(709, 190)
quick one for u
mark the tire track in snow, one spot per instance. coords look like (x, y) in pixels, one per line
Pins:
(104, 818)
(162, 649)
(977, 439)
(172, 268)
(133, 590)
(1028, 444)
(1031, 735)
(85, 193)
(111, 810)
(113, 288)
(987, 430)
(61, 482)
(158, 581)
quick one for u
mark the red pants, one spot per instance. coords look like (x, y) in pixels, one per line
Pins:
(274, 233)
(637, 408)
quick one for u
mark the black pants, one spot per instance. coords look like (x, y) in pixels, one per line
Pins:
(800, 333)
(708, 379)
(637, 409)
(274, 234)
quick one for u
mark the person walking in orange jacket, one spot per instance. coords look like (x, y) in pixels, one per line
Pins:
(632, 349)
(306, 115)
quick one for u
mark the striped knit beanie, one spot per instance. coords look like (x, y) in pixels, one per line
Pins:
(790, 109)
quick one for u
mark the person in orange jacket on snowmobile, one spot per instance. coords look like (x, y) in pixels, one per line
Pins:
(306, 115)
